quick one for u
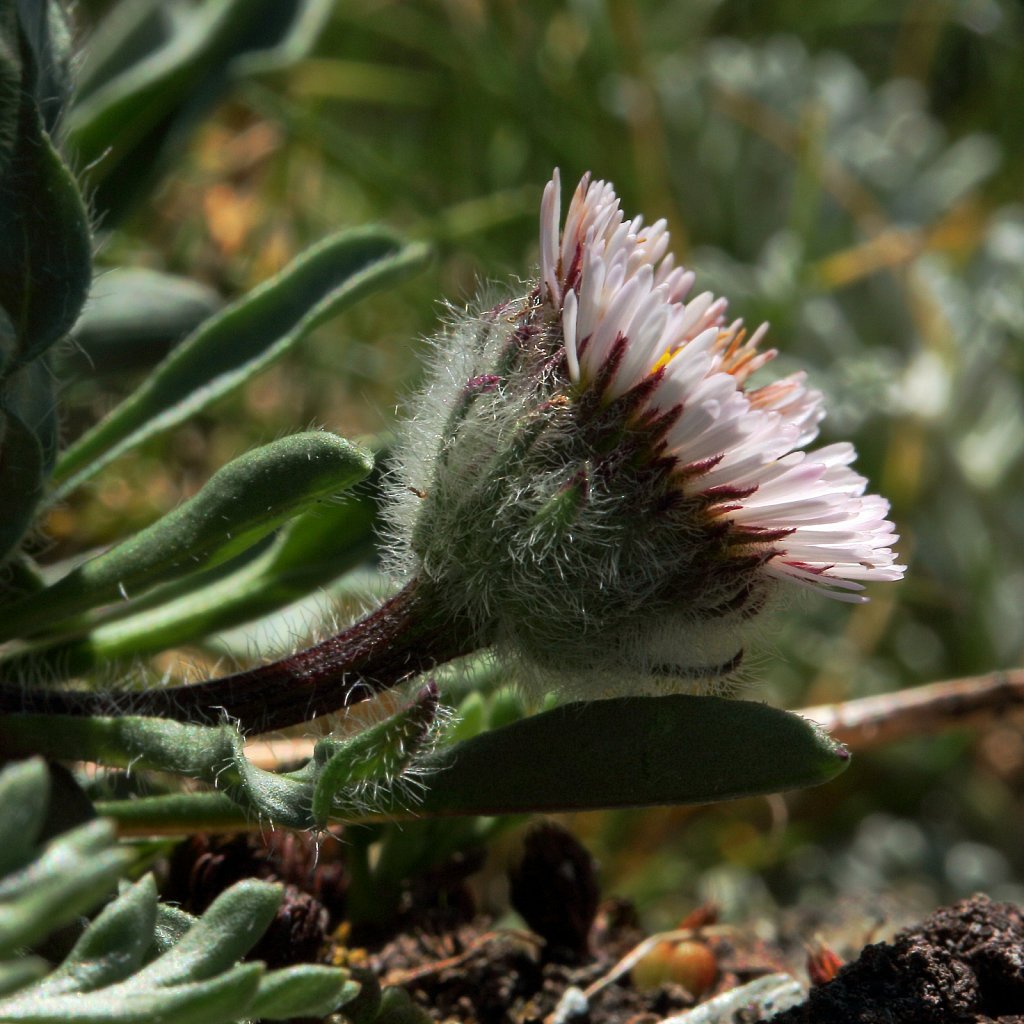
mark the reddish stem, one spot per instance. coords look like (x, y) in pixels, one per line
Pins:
(402, 638)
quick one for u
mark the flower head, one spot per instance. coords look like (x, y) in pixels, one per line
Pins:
(591, 479)
(629, 329)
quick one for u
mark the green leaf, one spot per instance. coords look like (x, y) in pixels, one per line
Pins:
(29, 393)
(374, 757)
(124, 741)
(171, 925)
(217, 1000)
(176, 814)
(625, 752)
(214, 754)
(192, 975)
(203, 608)
(243, 339)
(48, 75)
(309, 552)
(356, 772)
(133, 318)
(134, 122)
(16, 974)
(397, 1007)
(137, 29)
(75, 873)
(227, 931)
(112, 948)
(10, 85)
(306, 990)
(22, 470)
(132, 110)
(295, 37)
(45, 248)
(24, 792)
(240, 504)
(28, 440)
(633, 752)
(8, 342)
(362, 1009)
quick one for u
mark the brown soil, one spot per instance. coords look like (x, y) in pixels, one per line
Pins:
(963, 965)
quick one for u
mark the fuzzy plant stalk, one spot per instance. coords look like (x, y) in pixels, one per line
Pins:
(590, 484)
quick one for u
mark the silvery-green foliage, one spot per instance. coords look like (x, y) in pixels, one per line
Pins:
(138, 960)
(810, 128)
(893, 273)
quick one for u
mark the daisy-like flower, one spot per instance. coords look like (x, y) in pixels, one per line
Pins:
(629, 328)
(592, 483)
(589, 484)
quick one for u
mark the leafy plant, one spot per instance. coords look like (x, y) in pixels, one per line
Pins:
(138, 960)
(255, 537)
(831, 202)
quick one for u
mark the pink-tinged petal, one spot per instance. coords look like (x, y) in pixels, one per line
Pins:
(550, 217)
(569, 332)
(744, 450)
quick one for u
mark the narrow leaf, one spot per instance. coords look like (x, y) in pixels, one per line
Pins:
(175, 814)
(133, 318)
(24, 790)
(122, 741)
(626, 752)
(29, 394)
(633, 752)
(49, 57)
(58, 892)
(171, 925)
(132, 108)
(243, 339)
(306, 990)
(118, 43)
(16, 974)
(218, 1000)
(45, 249)
(22, 470)
(372, 759)
(227, 931)
(297, 36)
(10, 84)
(310, 552)
(214, 754)
(112, 948)
(140, 110)
(241, 503)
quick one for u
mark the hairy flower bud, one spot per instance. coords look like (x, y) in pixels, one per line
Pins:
(589, 482)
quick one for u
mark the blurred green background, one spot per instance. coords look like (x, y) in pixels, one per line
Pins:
(850, 172)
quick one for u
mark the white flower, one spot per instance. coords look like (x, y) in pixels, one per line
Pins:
(591, 485)
(629, 330)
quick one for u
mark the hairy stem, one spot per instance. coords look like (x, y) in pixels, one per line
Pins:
(402, 638)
